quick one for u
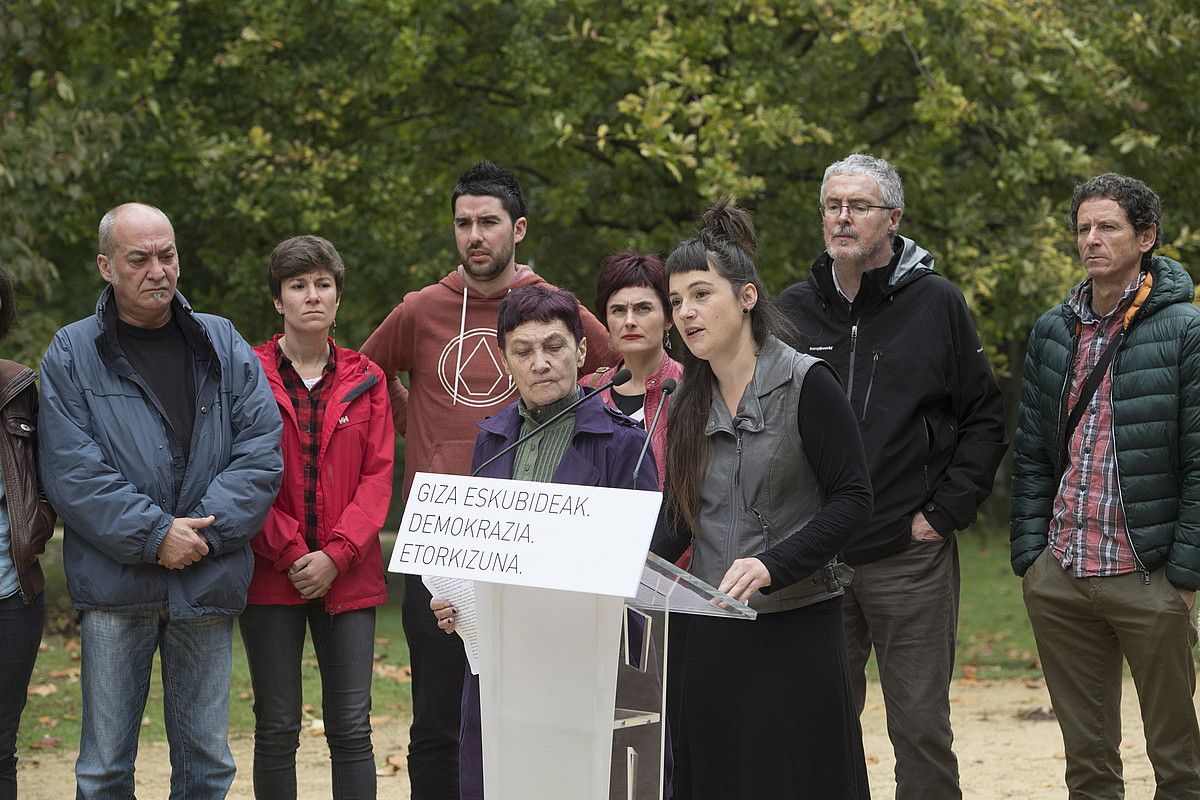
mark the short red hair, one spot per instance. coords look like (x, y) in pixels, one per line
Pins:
(626, 269)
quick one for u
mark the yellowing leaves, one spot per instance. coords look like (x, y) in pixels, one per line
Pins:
(400, 674)
(260, 139)
(393, 765)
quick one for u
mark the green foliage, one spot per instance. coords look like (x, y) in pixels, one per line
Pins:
(255, 121)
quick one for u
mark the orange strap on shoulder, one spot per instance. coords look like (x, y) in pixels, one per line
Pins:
(591, 380)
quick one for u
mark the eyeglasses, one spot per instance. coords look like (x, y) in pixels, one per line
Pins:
(857, 210)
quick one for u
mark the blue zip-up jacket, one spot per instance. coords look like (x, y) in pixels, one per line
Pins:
(111, 466)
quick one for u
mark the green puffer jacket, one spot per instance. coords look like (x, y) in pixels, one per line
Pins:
(1156, 424)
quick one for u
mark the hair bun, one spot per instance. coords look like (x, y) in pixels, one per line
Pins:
(727, 223)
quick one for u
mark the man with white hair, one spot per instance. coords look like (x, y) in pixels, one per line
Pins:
(932, 421)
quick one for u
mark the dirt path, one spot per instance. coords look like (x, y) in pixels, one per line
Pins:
(997, 724)
(1007, 746)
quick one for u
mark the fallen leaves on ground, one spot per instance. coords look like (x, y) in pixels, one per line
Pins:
(401, 674)
(42, 690)
(47, 743)
(394, 764)
(1039, 714)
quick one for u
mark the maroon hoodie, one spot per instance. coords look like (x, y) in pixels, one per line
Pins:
(444, 337)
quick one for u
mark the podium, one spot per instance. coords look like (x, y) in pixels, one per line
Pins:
(554, 724)
(553, 637)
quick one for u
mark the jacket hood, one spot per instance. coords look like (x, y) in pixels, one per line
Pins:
(194, 333)
(1172, 285)
(909, 263)
(106, 297)
(10, 371)
(457, 284)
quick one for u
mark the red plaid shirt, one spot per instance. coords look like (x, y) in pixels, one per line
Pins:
(309, 405)
(1087, 532)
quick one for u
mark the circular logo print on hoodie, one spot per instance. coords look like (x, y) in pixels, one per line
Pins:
(472, 372)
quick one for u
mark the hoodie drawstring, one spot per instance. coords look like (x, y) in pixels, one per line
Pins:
(462, 328)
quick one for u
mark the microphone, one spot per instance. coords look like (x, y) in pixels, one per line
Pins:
(668, 386)
(622, 376)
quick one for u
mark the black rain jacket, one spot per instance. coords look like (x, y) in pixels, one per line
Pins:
(919, 381)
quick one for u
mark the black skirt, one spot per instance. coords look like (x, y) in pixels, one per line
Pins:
(766, 710)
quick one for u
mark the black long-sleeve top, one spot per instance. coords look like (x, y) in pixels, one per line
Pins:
(833, 447)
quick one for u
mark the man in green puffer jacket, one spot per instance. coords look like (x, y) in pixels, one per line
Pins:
(1106, 494)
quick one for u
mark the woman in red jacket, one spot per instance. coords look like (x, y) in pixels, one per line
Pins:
(317, 561)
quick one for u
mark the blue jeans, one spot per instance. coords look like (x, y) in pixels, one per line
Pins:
(345, 646)
(118, 654)
(20, 634)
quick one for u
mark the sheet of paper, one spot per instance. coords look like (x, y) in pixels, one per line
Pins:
(461, 593)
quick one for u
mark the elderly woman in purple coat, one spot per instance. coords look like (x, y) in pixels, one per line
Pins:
(541, 339)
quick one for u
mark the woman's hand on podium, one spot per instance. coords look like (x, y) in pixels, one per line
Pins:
(445, 613)
(744, 577)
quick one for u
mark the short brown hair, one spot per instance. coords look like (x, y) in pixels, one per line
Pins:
(302, 254)
(1139, 202)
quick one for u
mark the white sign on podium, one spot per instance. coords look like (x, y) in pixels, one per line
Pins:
(547, 535)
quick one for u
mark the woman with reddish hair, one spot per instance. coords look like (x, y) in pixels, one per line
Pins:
(631, 299)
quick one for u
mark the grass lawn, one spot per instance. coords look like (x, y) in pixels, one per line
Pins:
(994, 641)
(994, 637)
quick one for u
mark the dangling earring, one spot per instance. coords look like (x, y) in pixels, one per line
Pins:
(335, 323)
(666, 340)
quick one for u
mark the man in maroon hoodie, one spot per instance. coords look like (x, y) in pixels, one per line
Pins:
(444, 337)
